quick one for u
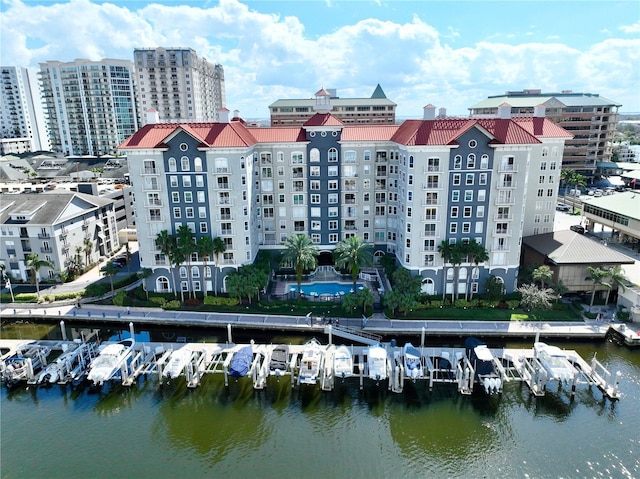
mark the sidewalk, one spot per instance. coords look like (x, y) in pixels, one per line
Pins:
(384, 327)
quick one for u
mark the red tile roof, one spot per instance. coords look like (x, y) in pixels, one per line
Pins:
(443, 131)
(323, 119)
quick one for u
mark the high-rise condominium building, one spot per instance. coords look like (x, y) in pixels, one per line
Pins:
(178, 84)
(22, 121)
(375, 110)
(589, 117)
(90, 105)
(405, 189)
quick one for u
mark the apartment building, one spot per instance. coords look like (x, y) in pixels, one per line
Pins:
(375, 110)
(57, 227)
(589, 117)
(402, 188)
(22, 122)
(178, 84)
(90, 105)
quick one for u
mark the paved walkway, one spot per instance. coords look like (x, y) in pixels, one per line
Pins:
(381, 326)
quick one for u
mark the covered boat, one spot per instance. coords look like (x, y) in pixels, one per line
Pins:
(241, 362)
(412, 362)
(279, 361)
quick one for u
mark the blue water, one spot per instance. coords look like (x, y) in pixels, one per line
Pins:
(325, 288)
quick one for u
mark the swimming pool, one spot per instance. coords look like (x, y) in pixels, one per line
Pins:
(320, 288)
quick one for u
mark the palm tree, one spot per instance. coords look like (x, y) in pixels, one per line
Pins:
(353, 253)
(302, 253)
(597, 275)
(79, 258)
(575, 179)
(186, 245)
(110, 270)
(34, 263)
(88, 248)
(144, 274)
(456, 258)
(219, 247)
(477, 254)
(616, 275)
(166, 244)
(205, 249)
(542, 273)
(445, 249)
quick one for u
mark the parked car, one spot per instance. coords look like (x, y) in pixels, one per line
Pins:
(575, 192)
(577, 228)
(597, 193)
(563, 207)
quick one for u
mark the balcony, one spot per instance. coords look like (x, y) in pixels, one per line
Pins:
(156, 218)
(43, 236)
(149, 171)
(222, 186)
(224, 201)
(504, 200)
(431, 169)
(428, 263)
(431, 186)
(507, 184)
(506, 167)
(225, 218)
(430, 202)
(154, 202)
(502, 232)
(503, 217)
(500, 248)
(223, 170)
(46, 250)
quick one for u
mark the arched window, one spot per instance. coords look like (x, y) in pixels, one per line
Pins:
(197, 163)
(172, 164)
(184, 163)
(183, 271)
(476, 273)
(195, 272)
(162, 284)
(450, 273)
(314, 155)
(207, 272)
(471, 160)
(462, 274)
(333, 154)
(428, 287)
(377, 256)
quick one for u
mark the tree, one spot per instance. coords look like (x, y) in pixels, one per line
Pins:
(33, 264)
(575, 179)
(302, 254)
(88, 248)
(205, 250)
(536, 298)
(493, 288)
(597, 275)
(362, 298)
(456, 257)
(144, 274)
(542, 273)
(444, 248)
(477, 254)
(110, 270)
(186, 244)
(166, 243)
(247, 282)
(616, 275)
(79, 257)
(219, 247)
(353, 254)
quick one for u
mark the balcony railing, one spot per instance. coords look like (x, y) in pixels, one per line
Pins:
(504, 201)
(507, 217)
(502, 232)
(43, 236)
(507, 184)
(507, 167)
(149, 171)
(156, 218)
(46, 250)
(156, 202)
(431, 186)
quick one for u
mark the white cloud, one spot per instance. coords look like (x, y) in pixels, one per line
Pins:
(633, 28)
(268, 56)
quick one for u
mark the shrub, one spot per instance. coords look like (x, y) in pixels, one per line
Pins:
(173, 305)
(159, 301)
(220, 301)
(121, 299)
(192, 302)
(63, 296)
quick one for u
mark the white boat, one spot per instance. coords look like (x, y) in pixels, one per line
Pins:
(310, 363)
(109, 361)
(177, 362)
(484, 364)
(342, 362)
(554, 361)
(23, 365)
(377, 363)
(412, 362)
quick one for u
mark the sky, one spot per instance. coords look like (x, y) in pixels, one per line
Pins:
(451, 54)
